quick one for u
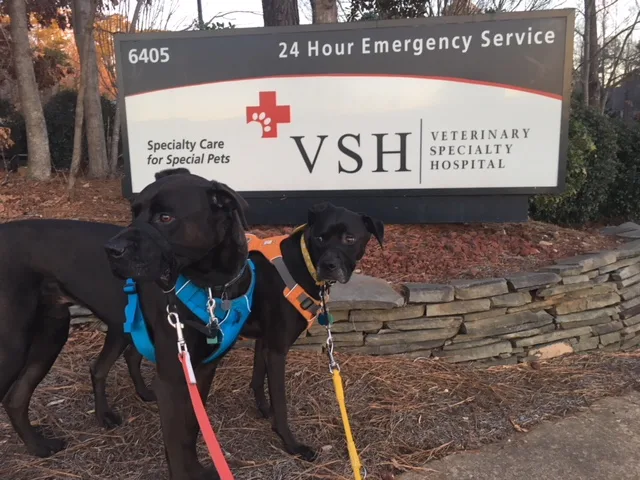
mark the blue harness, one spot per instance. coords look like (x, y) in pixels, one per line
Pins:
(231, 320)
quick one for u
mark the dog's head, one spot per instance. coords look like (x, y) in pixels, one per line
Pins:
(337, 239)
(181, 222)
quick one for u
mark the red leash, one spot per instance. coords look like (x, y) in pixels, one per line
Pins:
(215, 451)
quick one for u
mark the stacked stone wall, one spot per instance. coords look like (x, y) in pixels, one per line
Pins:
(580, 304)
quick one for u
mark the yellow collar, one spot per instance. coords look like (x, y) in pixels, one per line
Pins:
(307, 257)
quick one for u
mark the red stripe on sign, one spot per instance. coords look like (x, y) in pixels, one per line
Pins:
(421, 77)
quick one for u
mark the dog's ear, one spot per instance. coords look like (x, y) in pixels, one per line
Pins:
(225, 197)
(315, 210)
(374, 226)
(172, 171)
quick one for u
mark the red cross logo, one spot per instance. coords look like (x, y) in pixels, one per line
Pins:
(269, 114)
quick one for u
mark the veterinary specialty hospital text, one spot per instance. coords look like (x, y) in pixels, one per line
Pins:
(415, 46)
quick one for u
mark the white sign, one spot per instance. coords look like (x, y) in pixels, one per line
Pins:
(341, 133)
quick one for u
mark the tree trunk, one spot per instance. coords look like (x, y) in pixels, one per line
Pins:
(115, 139)
(96, 142)
(280, 12)
(586, 51)
(86, 34)
(325, 11)
(117, 119)
(200, 16)
(594, 57)
(39, 165)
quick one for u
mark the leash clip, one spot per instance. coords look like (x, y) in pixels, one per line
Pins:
(333, 365)
(214, 323)
(174, 321)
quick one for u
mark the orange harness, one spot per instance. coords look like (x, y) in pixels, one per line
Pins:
(306, 305)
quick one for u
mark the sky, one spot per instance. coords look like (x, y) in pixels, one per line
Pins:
(246, 13)
(242, 13)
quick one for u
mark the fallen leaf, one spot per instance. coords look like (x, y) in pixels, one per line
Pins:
(518, 427)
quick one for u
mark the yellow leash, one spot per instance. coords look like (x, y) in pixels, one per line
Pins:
(351, 446)
(334, 368)
(325, 320)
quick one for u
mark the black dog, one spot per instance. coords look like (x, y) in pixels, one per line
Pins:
(45, 266)
(182, 225)
(185, 225)
(335, 238)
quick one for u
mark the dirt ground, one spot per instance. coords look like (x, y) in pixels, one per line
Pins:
(403, 413)
(421, 253)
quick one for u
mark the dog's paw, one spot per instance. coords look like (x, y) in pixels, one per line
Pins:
(209, 473)
(264, 410)
(45, 447)
(108, 419)
(146, 395)
(305, 452)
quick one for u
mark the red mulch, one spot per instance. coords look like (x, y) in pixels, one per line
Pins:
(418, 253)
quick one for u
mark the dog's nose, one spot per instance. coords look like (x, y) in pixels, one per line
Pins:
(331, 265)
(115, 249)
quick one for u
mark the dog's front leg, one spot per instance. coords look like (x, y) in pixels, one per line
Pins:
(257, 379)
(179, 424)
(278, 396)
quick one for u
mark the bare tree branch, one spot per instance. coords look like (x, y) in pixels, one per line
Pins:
(616, 62)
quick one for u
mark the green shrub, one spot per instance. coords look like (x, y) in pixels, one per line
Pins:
(592, 168)
(60, 115)
(602, 167)
(624, 197)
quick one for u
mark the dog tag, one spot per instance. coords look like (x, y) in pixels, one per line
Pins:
(214, 339)
(325, 319)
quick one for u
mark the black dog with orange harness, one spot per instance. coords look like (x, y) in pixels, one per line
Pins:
(294, 271)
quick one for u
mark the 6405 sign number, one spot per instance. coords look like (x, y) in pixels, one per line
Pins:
(149, 55)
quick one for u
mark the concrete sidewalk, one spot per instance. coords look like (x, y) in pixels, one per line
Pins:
(601, 443)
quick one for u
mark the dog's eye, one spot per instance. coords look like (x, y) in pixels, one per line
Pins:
(320, 238)
(164, 218)
(349, 239)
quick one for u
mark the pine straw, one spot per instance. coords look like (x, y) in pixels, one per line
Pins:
(403, 413)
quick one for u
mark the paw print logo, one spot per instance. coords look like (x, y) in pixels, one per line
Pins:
(263, 119)
(269, 114)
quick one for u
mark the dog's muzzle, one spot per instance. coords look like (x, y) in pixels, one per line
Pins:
(333, 267)
(140, 252)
